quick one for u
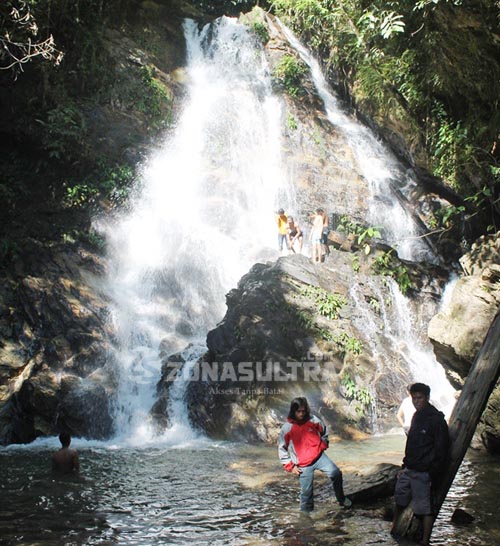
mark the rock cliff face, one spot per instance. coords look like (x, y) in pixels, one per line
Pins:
(54, 327)
(327, 323)
(458, 331)
(293, 328)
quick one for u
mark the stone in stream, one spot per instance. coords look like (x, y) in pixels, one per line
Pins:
(461, 517)
(376, 484)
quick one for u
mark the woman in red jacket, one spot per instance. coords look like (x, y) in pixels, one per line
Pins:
(303, 440)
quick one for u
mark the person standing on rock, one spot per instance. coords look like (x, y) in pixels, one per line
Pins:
(316, 235)
(425, 456)
(406, 411)
(301, 447)
(66, 459)
(282, 222)
(324, 232)
(294, 235)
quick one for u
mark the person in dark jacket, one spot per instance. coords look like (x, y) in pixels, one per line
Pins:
(425, 457)
(302, 442)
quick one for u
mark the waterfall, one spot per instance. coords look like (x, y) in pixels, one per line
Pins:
(202, 215)
(386, 179)
(375, 162)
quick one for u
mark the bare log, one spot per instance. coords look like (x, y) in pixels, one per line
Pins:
(478, 387)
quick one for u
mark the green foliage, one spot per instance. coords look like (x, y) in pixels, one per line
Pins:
(291, 122)
(324, 334)
(115, 183)
(79, 196)
(155, 95)
(387, 264)
(91, 238)
(450, 151)
(63, 131)
(391, 23)
(447, 216)
(480, 197)
(55, 112)
(261, 30)
(305, 320)
(355, 263)
(420, 67)
(289, 72)
(361, 395)
(348, 344)
(374, 304)
(108, 182)
(318, 140)
(328, 304)
(368, 233)
(362, 233)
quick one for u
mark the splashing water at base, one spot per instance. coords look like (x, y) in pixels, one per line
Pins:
(215, 494)
(202, 216)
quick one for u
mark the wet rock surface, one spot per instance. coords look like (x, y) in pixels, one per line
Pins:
(52, 362)
(294, 328)
(458, 331)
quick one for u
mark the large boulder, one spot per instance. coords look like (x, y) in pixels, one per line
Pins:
(458, 331)
(56, 321)
(294, 328)
(489, 428)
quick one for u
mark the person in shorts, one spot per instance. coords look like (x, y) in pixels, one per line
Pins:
(406, 411)
(426, 452)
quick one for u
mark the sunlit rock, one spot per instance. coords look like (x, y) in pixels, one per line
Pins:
(458, 331)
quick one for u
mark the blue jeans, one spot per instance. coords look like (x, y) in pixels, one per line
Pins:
(306, 479)
(282, 239)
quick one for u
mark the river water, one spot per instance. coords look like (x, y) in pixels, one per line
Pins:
(208, 493)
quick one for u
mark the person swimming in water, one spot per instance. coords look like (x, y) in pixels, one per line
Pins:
(66, 459)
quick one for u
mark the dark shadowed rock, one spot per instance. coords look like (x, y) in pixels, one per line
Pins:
(293, 328)
(461, 517)
(52, 366)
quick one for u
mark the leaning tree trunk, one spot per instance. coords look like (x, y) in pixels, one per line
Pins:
(479, 384)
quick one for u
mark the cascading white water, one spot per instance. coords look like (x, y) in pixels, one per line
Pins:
(203, 215)
(419, 357)
(397, 337)
(385, 176)
(376, 163)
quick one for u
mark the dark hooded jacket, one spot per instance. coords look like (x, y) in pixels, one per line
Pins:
(428, 442)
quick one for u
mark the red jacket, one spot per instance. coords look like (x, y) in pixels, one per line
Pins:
(300, 444)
